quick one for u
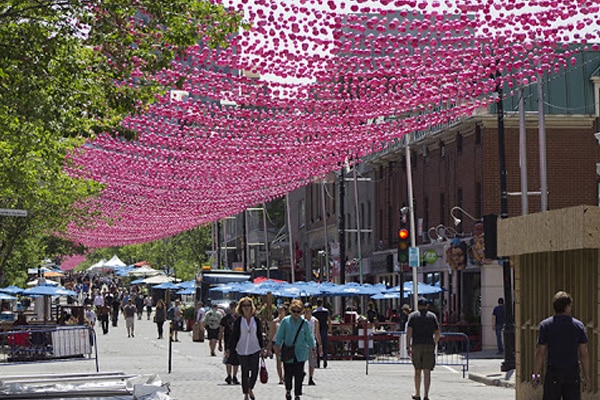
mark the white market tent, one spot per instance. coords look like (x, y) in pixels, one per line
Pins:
(114, 262)
(99, 266)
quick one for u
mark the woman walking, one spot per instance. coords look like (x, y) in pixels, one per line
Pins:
(160, 315)
(283, 312)
(295, 331)
(247, 340)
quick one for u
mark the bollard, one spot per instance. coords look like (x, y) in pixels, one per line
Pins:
(170, 344)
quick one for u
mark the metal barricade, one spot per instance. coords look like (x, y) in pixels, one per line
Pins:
(390, 348)
(48, 343)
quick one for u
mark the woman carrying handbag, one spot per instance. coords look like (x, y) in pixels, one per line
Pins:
(296, 333)
(247, 341)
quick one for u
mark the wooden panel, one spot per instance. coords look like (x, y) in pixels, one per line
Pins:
(557, 230)
(537, 278)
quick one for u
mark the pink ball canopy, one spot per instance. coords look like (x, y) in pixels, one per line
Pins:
(310, 86)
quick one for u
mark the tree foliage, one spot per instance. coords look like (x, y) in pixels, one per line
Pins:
(70, 69)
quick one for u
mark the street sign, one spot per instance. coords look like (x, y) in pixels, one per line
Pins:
(8, 212)
(413, 257)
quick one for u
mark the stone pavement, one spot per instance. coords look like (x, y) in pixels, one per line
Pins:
(196, 375)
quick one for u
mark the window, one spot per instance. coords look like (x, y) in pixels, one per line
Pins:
(459, 143)
(348, 234)
(477, 134)
(369, 224)
(301, 215)
(478, 199)
(442, 207)
(362, 216)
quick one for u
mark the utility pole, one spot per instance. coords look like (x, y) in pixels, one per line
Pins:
(342, 231)
(509, 325)
(342, 227)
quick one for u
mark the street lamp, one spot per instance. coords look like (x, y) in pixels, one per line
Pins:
(458, 220)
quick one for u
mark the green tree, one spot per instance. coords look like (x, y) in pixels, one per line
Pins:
(70, 69)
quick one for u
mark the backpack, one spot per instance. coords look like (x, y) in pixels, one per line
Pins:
(171, 313)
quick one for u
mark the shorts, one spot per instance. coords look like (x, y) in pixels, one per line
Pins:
(312, 358)
(212, 333)
(423, 356)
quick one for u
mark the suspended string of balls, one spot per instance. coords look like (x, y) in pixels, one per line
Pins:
(308, 88)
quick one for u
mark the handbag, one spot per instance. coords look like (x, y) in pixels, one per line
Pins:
(289, 352)
(264, 374)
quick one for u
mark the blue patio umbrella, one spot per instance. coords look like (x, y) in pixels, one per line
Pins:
(186, 291)
(422, 289)
(48, 290)
(352, 289)
(191, 284)
(4, 296)
(12, 290)
(386, 296)
(166, 285)
(298, 289)
(137, 281)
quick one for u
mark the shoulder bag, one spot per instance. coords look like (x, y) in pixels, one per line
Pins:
(288, 352)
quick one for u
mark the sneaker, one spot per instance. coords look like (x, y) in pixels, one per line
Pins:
(311, 382)
(228, 379)
(235, 380)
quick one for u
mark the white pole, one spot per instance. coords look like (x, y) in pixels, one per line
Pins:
(225, 248)
(264, 212)
(523, 153)
(360, 269)
(291, 242)
(542, 143)
(413, 238)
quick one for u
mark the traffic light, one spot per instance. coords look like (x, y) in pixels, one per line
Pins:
(403, 245)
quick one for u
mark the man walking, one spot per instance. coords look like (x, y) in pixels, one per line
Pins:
(564, 340)
(498, 315)
(129, 314)
(324, 317)
(422, 335)
(212, 320)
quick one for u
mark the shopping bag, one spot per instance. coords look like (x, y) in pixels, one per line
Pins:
(264, 374)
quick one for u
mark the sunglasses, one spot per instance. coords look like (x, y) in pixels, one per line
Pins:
(296, 311)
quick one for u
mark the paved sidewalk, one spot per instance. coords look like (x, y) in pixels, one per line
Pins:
(197, 375)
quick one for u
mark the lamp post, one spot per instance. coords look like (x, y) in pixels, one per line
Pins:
(459, 220)
(509, 326)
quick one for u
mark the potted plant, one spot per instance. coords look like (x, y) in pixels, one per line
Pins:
(189, 316)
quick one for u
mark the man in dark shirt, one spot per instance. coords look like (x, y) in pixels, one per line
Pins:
(565, 341)
(422, 335)
(322, 315)
(498, 314)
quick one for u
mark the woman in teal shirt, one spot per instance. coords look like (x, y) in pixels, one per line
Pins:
(294, 369)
